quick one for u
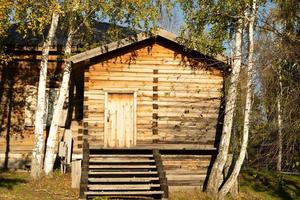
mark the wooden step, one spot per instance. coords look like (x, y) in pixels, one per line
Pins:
(124, 187)
(133, 179)
(121, 173)
(120, 155)
(123, 193)
(119, 161)
(122, 166)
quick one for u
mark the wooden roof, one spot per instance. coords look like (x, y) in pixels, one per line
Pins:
(159, 34)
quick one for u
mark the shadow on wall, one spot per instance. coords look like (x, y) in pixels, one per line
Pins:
(7, 96)
(15, 76)
(14, 135)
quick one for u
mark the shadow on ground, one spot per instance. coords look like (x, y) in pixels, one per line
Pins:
(8, 181)
(277, 185)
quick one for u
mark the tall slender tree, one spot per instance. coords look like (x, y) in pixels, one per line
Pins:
(251, 14)
(71, 9)
(215, 178)
(214, 21)
(38, 153)
(134, 14)
(52, 137)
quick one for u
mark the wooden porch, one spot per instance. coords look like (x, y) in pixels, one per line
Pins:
(142, 172)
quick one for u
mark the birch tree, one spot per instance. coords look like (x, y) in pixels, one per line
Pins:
(223, 19)
(33, 17)
(280, 122)
(63, 91)
(132, 13)
(225, 16)
(215, 177)
(281, 59)
(71, 10)
(250, 75)
(38, 151)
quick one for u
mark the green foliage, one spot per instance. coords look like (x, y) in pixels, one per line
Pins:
(277, 53)
(32, 16)
(210, 23)
(5, 11)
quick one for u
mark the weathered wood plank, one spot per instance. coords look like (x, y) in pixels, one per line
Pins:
(186, 99)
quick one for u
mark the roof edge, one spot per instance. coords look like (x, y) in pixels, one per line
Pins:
(129, 41)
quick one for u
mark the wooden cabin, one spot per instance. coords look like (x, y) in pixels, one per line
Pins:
(146, 116)
(148, 96)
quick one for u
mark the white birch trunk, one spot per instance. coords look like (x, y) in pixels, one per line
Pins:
(238, 164)
(215, 176)
(64, 88)
(37, 153)
(279, 120)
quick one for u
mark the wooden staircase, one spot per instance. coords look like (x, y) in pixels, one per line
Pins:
(124, 174)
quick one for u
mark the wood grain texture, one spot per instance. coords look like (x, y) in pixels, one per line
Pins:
(178, 99)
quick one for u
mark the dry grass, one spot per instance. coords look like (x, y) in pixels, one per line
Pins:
(254, 186)
(188, 195)
(18, 185)
(198, 195)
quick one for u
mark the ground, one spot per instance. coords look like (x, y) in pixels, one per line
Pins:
(270, 185)
(18, 185)
(255, 185)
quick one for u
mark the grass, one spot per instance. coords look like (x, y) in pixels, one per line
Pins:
(270, 185)
(19, 186)
(188, 195)
(254, 185)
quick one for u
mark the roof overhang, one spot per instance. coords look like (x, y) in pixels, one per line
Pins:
(160, 33)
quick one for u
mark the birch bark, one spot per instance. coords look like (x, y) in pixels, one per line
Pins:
(238, 164)
(279, 120)
(37, 153)
(63, 91)
(215, 177)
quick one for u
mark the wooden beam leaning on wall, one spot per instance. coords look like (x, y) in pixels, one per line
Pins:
(161, 173)
(85, 169)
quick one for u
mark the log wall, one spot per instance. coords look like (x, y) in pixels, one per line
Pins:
(186, 171)
(178, 98)
(17, 139)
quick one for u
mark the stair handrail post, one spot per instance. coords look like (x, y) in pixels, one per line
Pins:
(84, 169)
(161, 173)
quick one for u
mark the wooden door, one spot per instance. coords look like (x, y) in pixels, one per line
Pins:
(119, 120)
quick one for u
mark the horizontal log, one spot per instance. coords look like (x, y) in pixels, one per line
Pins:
(148, 69)
(95, 79)
(191, 75)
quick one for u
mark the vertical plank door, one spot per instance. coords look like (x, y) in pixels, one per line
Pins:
(119, 120)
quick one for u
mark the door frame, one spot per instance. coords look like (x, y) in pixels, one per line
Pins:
(108, 91)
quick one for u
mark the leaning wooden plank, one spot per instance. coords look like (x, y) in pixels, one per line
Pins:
(76, 173)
